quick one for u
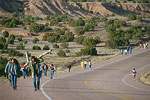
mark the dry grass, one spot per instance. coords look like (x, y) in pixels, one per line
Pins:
(145, 78)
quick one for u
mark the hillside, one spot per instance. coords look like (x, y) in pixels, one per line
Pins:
(50, 7)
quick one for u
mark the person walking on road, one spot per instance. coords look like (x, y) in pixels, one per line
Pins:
(126, 51)
(134, 74)
(130, 50)
(82, 64)
(14, 72)
(51, 71)
(24, 70)
(7, 70)
(34, 65)
(85, 63)
(90, 64)
(69, 68)
(45, 69)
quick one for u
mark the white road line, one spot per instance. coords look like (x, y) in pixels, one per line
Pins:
(123, 79)
(121, 59)
(87, 71)
(44, 91)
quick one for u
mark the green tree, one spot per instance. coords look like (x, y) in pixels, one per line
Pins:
(2, 39)
(55, 46)
(36, 47)
(35, 40)
(5, 34)
(46, 47)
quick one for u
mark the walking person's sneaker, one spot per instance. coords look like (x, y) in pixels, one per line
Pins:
(35, 89)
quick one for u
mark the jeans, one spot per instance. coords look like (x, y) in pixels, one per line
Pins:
(90, 66)
(13, 80)
(40, 73)
(69, 69)
(45, 72)
(24, 74)
(51, 74)
(36, 84)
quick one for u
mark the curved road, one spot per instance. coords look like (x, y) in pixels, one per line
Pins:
(108, 80)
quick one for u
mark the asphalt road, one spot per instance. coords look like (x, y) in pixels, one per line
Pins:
(108, 80)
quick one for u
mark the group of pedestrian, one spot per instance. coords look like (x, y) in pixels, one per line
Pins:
(126, 51)
(84, 64)
(12, 70)
(143, 45)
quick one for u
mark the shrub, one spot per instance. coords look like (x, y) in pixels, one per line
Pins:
(1, 45)
(35, 40)
(61, 53)
(2, 39)
(20, 46)
(68, 37)
(19, 38)
(79, 39)
(111, 44)
(11, 37)
(3, 62)
(10, 41)
(67, 51)
(89, 42)
(36, 48)
(55, 46)
(79, 30)
(87, 51)
(5, 34)
(89, 27)
(52, 38)
(64, 44)
(25, 41)
(10, 22)
(34, 27)
(46, 47)
(131, 17)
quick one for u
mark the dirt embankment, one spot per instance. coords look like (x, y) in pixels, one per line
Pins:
(38, 7)
(50, 7)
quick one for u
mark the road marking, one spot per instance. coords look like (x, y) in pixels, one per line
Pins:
(123, 79)
(44, 91)
(106, 92)
(87, 71)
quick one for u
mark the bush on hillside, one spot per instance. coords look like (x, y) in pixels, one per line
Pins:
(5, 34)
(36, 47)
(46, 47)
(61, 53)
(20, 46)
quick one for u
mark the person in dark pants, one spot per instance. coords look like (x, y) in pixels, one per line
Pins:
(69, 68)
(34, 65)
(14, 73)
(7, 69)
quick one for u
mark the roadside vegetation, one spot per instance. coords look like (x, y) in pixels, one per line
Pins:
(145, 78)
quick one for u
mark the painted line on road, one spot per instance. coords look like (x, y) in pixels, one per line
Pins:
(42, 86)
(123, 58)
(125, 77)
(103, 91)
(44, 91)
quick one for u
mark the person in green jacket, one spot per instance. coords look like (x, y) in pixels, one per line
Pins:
(34, 65)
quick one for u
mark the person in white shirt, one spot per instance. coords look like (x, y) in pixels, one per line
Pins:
(85, 64)
(134, 73)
